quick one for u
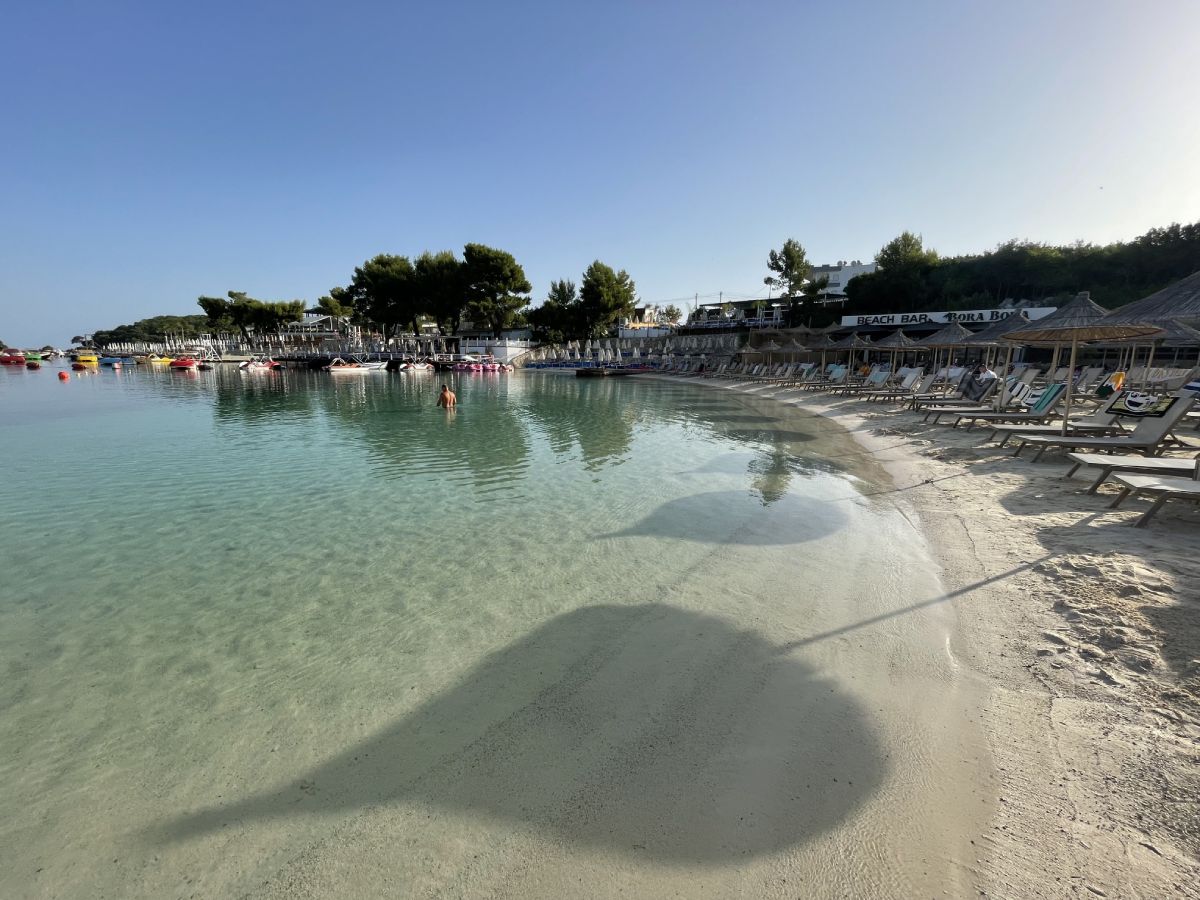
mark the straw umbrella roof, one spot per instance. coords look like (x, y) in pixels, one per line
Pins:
(953, 335)
(1079, 320)
(800, 330)
(991, 336)
(898, 340)
(769, 347)
(819, 342)
(1172, 334)
(852, 342)
(793, 346)
(1179, 301)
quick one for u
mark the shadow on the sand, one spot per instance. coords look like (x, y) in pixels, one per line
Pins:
(649, 730)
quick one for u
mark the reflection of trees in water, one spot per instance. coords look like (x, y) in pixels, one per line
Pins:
(770, 475)
(779, 446)
(260, 399)
(597, 414)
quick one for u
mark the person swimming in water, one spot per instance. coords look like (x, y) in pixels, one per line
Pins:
(446, 398)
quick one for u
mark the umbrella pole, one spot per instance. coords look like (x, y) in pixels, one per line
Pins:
(1149, 363)
(1004, 379)
(1070, 384)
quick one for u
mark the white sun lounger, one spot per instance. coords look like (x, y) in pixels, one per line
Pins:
(1040, 410)
(1148, 437)
(1145, 465)
(1164, 487)
(1099, 423)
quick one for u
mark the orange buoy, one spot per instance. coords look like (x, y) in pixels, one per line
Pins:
(63, 376)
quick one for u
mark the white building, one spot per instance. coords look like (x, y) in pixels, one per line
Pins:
(839, 275)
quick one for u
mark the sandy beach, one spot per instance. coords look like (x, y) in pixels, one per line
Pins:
(1082, 635)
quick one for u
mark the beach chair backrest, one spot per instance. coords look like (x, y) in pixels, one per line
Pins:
(1049, 399)
(1154, 426)
(1020, 392)
(909, 380)
(875, 379)
(1086, 377)
(926, 384)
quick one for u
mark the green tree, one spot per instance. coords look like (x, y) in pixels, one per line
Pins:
(672, 314)
(247, 315)
(905, 253)
(441, 288)
(338, 303)
(812, 290)
(604, 297)
(384, 292)
(558, 318)
(791, 267)
(495, 286)
(902, 280)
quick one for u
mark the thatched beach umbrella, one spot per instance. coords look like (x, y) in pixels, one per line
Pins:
(897, 342)
(793, 347)
(1078, 321)
(820, 342)
(953, 335)
(768, 348)
(993, 336)
(1178, 302)
(851, 343)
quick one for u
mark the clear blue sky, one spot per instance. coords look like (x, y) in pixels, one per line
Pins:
(153, 152)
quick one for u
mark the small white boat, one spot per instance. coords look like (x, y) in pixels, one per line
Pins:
(415, 367)
(259, 364)
(340, 366)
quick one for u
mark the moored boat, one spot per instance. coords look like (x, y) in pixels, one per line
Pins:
(259, 364)
(339, 366)
(183, 362)
(12, 358)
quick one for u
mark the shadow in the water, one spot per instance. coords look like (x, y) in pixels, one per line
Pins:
(795, 519)
(649, 730)
(721, 418)
(769, 435)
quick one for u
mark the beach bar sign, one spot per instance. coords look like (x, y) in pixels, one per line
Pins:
(966, 316)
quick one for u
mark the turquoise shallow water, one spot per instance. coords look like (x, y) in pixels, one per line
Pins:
(216, 582)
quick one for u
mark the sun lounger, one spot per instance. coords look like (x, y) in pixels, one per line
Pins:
(1103, 421)
(1164, 487)
(938, 408)
(1145, 465)
(874, 381)
(1038, 412)
(951, 397)
(907, 388)
(1148, 437)
(1015, 391)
